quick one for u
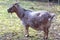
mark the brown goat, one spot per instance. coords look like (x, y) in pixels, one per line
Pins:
(39, 20)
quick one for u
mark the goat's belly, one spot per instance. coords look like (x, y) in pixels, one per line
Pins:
(40, 27)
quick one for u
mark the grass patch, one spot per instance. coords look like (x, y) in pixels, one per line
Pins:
(11, 27)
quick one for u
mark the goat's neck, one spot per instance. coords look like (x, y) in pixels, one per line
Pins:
(20, 12)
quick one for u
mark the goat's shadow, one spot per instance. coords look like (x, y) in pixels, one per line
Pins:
(33, 38)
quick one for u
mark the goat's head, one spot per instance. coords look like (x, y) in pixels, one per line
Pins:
(13, 8)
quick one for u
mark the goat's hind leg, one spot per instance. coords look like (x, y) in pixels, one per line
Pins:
(46, 33)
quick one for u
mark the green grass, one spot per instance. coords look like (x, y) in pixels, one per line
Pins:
(11, 27)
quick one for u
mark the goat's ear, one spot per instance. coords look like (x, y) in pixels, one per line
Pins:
(16, 5)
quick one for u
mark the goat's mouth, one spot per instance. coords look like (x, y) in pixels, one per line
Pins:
(9, 11)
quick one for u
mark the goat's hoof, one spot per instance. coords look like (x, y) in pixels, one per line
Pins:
(26, 35)
(29, 36)
(45, 38)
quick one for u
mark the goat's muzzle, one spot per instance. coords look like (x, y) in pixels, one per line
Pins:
(9, 11)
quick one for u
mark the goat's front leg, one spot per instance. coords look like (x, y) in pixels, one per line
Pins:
(26, 31)
(46, 33)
